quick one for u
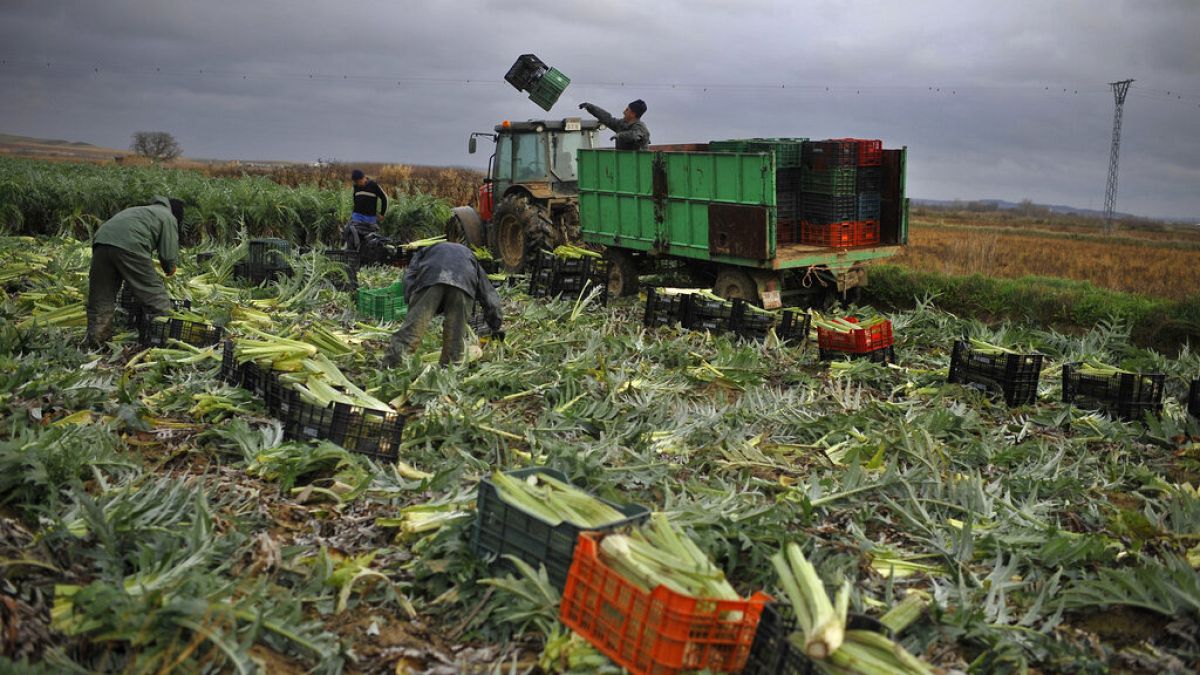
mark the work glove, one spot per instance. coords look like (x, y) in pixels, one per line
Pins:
(583, 106)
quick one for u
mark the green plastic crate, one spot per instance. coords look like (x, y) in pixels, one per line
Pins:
(545, 91)
(385, 304)
(786, 150)
(836, 181)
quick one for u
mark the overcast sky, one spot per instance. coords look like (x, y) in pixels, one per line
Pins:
(1003, 100)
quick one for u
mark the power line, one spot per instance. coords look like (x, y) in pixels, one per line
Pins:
(30, 65)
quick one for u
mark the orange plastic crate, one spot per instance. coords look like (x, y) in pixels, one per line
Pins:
(657, 633)
(858, 341)
(845, 234)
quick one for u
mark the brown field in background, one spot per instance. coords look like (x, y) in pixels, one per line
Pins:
(455, 185)
(1160, 263)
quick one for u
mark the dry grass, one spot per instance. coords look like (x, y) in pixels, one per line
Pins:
(1154, 263)
(456, 186)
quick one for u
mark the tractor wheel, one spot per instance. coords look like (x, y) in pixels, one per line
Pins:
(733, 283)
(622, 273)
(513, 221)
(465, 227)
(540, 235)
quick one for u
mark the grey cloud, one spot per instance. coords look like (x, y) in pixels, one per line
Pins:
(390, 80)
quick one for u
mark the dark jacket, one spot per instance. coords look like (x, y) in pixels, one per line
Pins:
(366, 196)
(453, 265)
(630, 135)
(144, 230)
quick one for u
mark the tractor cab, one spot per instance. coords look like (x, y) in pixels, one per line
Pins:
(530, 197)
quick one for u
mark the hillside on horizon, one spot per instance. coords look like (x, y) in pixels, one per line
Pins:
(58, 149)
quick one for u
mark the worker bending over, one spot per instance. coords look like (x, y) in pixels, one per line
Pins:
(123, 251)
(443, 279)
(632, 133)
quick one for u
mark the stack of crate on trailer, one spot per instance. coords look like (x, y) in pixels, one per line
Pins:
(840, 186)
(788, 158)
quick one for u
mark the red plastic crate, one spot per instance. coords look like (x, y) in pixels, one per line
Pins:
(858, 341)
(657, 633)
(870, 151)
(846, 234)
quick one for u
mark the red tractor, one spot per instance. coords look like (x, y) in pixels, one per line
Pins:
(530, 198)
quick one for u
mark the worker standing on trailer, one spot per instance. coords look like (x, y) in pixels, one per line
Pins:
(369, 200)
(632, 133)
(123, 251)
(443, 279)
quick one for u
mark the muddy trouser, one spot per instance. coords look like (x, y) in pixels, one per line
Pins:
(112, 265)
(355, 232)
(450, 301)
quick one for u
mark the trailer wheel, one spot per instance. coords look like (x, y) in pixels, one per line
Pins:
(622, 273)
(734, 283)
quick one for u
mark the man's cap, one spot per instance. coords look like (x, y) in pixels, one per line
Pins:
(638, 107)
(356, 174)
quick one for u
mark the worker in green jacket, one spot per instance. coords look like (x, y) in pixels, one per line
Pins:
(123, 251)
(632, 133)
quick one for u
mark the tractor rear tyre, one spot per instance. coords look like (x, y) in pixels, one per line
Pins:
(515, 225)
(622, 273)
(733, 283)
(465, 227)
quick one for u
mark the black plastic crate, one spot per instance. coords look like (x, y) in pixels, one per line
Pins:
(249, 375)
(572, 277)
(552, 276)
(375, 433)
(541, 274)
(869, 179)
(794, 326)
(748, 323)
(527, 70)
(205, 256)
(829, 154)
(1193, 405)
(663, 310)
(868, 206)
(256, 274)
(134, 312)
(881, 355)
(503, 529)
(823, 209)
(305, 421)
(230, 372)
(1015, 376)
(787, 206)
(350, 261)
(279, 397)
(1126, 395)
(269, 253)
(773, 654)
(700, 313)
(156, 333)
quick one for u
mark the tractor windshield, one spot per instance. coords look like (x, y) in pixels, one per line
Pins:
(529, 155)
(562, 154)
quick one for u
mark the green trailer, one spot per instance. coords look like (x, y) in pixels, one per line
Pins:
(718, 213)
